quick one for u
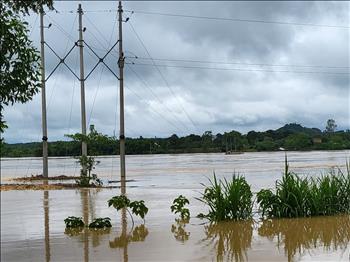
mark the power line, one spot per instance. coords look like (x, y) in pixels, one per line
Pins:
(240, 63)
(155, 111)
(162, 76)
(102, 70)
(242, 69)
(229, 62)
(155, 95)
(237, 19)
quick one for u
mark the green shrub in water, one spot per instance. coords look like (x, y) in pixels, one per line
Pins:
(178, 206)
(138, 208)
(74, 222)
(228, 200)
(302, 197)
(101, 223)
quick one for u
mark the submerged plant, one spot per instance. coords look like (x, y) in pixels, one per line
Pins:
(178, 206)
(138, 208)
(228, 200)
(87, 163)
(74, 222)
(87, 178)
(301, 197)
(101, 223)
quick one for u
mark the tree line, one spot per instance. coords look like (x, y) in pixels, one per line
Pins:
(289, 137)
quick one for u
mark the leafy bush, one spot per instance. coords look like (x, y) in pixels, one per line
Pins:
(301, 197)
(228, 200)
(74, 222)
(138, 208)
(101, 223)
(178, 206)
(86, 178)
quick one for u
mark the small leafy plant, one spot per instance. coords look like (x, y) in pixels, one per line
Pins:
(101, 223)
(74, 222)
(87, 163)
(178, 206)
(138, 208)
(87, 178)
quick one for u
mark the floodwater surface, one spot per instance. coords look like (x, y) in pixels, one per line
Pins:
(32, 227)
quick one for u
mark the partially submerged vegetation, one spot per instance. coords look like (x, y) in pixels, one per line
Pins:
(178, 207)
(228, 200)
(294, 196)
(138, 208)
(73, 222)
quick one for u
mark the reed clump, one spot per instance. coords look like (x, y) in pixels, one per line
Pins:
(303, 197)
(228, 200)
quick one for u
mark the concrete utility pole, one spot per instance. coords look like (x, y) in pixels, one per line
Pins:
(121, 96)
(43, 96)
(82, 81)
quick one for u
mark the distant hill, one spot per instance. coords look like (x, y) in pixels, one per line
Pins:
(291, 136)
(293, 128)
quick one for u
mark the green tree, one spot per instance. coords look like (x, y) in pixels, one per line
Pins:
(19, 59)
(298, 141)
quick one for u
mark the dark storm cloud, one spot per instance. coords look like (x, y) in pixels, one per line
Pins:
(217, 100)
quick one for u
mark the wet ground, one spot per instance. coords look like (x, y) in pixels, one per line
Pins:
(32, 227)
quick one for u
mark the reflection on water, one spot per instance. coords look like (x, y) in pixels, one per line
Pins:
(138, 234)
(230, 240)
(47, 226)
(179, 231)
(300, 234)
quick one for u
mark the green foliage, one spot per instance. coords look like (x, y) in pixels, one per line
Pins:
(19, 59)
(74, 222)
(298, 141)
(228, 200)
(178, 206)
(86, 178)
(291, 137)
(119, 202)
(87, 163)
(101, 223)
(138, 208)
(302, 197)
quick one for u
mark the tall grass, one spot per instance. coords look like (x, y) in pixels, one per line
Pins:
(228, 200)
(301, 197)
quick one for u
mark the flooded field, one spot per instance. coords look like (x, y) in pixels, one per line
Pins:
(32, 227)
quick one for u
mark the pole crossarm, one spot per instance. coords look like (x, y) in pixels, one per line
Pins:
(101, 60)
(62, 60)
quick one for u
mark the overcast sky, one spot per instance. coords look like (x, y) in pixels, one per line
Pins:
(247, 84)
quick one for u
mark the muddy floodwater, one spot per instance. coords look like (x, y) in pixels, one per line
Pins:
(32, 227)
